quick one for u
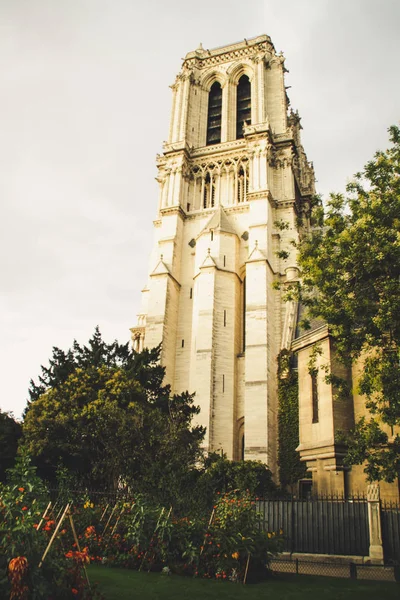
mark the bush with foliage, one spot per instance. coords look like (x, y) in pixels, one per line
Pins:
(22, 503)
(223, 475)
(235, 540)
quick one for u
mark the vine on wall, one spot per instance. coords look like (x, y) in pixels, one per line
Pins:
(290, 467)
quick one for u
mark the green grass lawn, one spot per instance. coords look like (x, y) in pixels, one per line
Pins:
(123, 584)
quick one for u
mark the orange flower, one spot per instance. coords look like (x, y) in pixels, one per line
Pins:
(74, 591)
(90, 531)
(24, 508)
(21, 489)
(20, 563)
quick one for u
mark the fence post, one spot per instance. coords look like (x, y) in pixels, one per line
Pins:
(292, 528)
(374, 521)
(353, 570)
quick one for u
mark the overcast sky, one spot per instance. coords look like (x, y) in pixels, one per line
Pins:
(84, 108)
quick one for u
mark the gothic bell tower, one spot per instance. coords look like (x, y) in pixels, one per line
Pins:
(231, 173)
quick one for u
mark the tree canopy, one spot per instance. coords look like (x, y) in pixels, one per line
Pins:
(102, 412)
(351, 278)
(10, 433)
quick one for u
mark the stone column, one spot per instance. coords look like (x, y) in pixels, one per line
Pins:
(225, 112)
(184, 107)
(172, 125)
(374, 520)
(178, 108)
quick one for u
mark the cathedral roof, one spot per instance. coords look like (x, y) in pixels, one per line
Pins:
(219, 222)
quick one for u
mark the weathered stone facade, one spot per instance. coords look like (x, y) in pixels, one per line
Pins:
(218, 246)
(323, 421)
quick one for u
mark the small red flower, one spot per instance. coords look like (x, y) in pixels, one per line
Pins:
(24, 508)
(21, 489)
(74, 591)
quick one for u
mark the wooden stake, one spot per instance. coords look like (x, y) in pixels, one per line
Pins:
(77, 544)
(43, 516)
(54, 534)
(58, 514)
(247, 568)
(104, 512)
(116, 522)
(208, 527)
(151, 539)
(158, 522)
(111, 534)
(109, 518)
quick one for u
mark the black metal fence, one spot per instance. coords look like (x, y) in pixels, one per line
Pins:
(390, 522)
(346, 570)
(323, 525)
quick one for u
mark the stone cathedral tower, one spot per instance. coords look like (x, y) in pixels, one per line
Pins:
(233, 168)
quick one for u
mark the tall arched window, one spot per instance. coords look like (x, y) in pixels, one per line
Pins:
(214, 114)
(243, 105)
(208, 192)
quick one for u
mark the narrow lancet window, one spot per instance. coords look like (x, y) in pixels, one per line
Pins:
(243, 105)
(214, 114)
(314, 394)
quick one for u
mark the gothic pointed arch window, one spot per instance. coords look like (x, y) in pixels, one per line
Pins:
(214, 115)
(243, 105)
(242, 183)
(208, 192)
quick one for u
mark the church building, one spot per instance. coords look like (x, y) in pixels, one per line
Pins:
(234, 189)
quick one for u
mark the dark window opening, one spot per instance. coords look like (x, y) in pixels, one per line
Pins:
(224, 318)
(183, 343)
(212, 235)
(208, 193)
(191, 293)
(205, 192)
(224, 260)
(223, 383)
(241, 187)
(243, 105)
(314, 393)
(214, 114)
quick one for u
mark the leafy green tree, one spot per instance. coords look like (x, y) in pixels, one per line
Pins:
(10, 433)
(101, 411)
(351, 278)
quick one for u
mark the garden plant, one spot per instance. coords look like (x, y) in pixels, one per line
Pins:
(226, 543)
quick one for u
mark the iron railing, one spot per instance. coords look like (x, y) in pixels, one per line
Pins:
(390, 522)
(322, 525)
